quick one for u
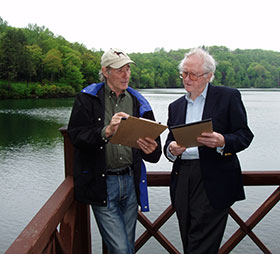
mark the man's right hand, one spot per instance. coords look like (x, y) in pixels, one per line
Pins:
(176, 149)
(114, 124)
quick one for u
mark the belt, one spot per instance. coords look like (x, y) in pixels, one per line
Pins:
(124, 171)
(188, 161)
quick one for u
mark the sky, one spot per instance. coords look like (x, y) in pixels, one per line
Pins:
(144, 25)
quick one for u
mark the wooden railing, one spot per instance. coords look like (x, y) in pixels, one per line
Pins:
(63, 225)
(250, 178)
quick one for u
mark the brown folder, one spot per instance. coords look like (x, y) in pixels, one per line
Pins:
(186, 134)
(133, 128)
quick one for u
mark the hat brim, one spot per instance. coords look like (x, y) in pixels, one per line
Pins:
(121, 63)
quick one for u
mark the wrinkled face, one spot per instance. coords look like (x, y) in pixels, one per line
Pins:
(117, 79)
(194, 65)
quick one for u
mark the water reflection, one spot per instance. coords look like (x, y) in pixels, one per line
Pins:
(32, 121)
(32, 165)
(31, 160)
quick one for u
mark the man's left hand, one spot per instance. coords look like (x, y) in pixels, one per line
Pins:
(147, 145)
(211, 139)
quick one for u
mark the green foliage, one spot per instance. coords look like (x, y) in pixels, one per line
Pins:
(35, 90)
(39, 60)
(53, 91)
(12, 54)
(73, 76)
(52, 63)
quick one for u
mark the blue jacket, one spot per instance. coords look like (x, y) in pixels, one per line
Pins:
(84, 129)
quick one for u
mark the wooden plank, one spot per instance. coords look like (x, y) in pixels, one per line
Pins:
(158, 178)
(261, 178)
(68, 153)
(35, 237)
(153, 230)
(82, 234)
(246, 228)
(250, 178)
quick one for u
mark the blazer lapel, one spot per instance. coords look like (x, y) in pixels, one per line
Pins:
(209, 103)
(182, 113)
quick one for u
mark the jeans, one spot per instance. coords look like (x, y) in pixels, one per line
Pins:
(117, 221)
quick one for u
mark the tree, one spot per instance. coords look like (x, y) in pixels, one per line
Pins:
(72, 67)
(35, 59)
(230, 77)
(12, 53)
(52, 63)
(217, 78)
(35, 54)
(73, 76)
(3, 26)
(146, 80)
(90, 67)
(225, 68)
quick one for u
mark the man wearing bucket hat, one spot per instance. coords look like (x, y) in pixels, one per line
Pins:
(109, 177)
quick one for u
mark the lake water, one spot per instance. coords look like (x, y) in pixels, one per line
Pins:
(32, 166)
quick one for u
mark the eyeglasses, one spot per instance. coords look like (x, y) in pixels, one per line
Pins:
(192, 76)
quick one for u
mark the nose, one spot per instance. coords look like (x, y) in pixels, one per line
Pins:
(126, 73)
(187, 78)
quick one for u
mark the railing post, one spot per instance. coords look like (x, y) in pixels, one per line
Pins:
(82, 234)
(68, 153)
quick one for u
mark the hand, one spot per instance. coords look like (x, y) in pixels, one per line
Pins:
(114, 124)
(147, 145)
(211, 139)
(176, 149)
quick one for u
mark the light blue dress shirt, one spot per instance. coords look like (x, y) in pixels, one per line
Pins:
(194, 113)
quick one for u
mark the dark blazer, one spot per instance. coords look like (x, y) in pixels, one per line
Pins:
(221, 173)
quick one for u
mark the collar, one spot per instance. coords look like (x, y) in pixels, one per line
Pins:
(108, 91)
(203, 94)
(144, 104)
(92, 89)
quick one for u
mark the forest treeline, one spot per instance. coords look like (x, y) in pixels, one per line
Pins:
(36, 63)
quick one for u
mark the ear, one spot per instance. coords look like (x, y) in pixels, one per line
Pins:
(104, 71)
(209, 76)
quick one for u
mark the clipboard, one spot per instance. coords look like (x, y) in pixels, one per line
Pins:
(186, 134)
(133, 128)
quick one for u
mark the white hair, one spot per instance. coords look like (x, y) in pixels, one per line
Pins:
(101, 76)
(209, 63)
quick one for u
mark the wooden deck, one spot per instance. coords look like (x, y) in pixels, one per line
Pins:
(63, 225)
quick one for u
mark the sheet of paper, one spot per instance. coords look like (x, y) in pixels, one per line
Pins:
(133, 128)
(186, 134)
